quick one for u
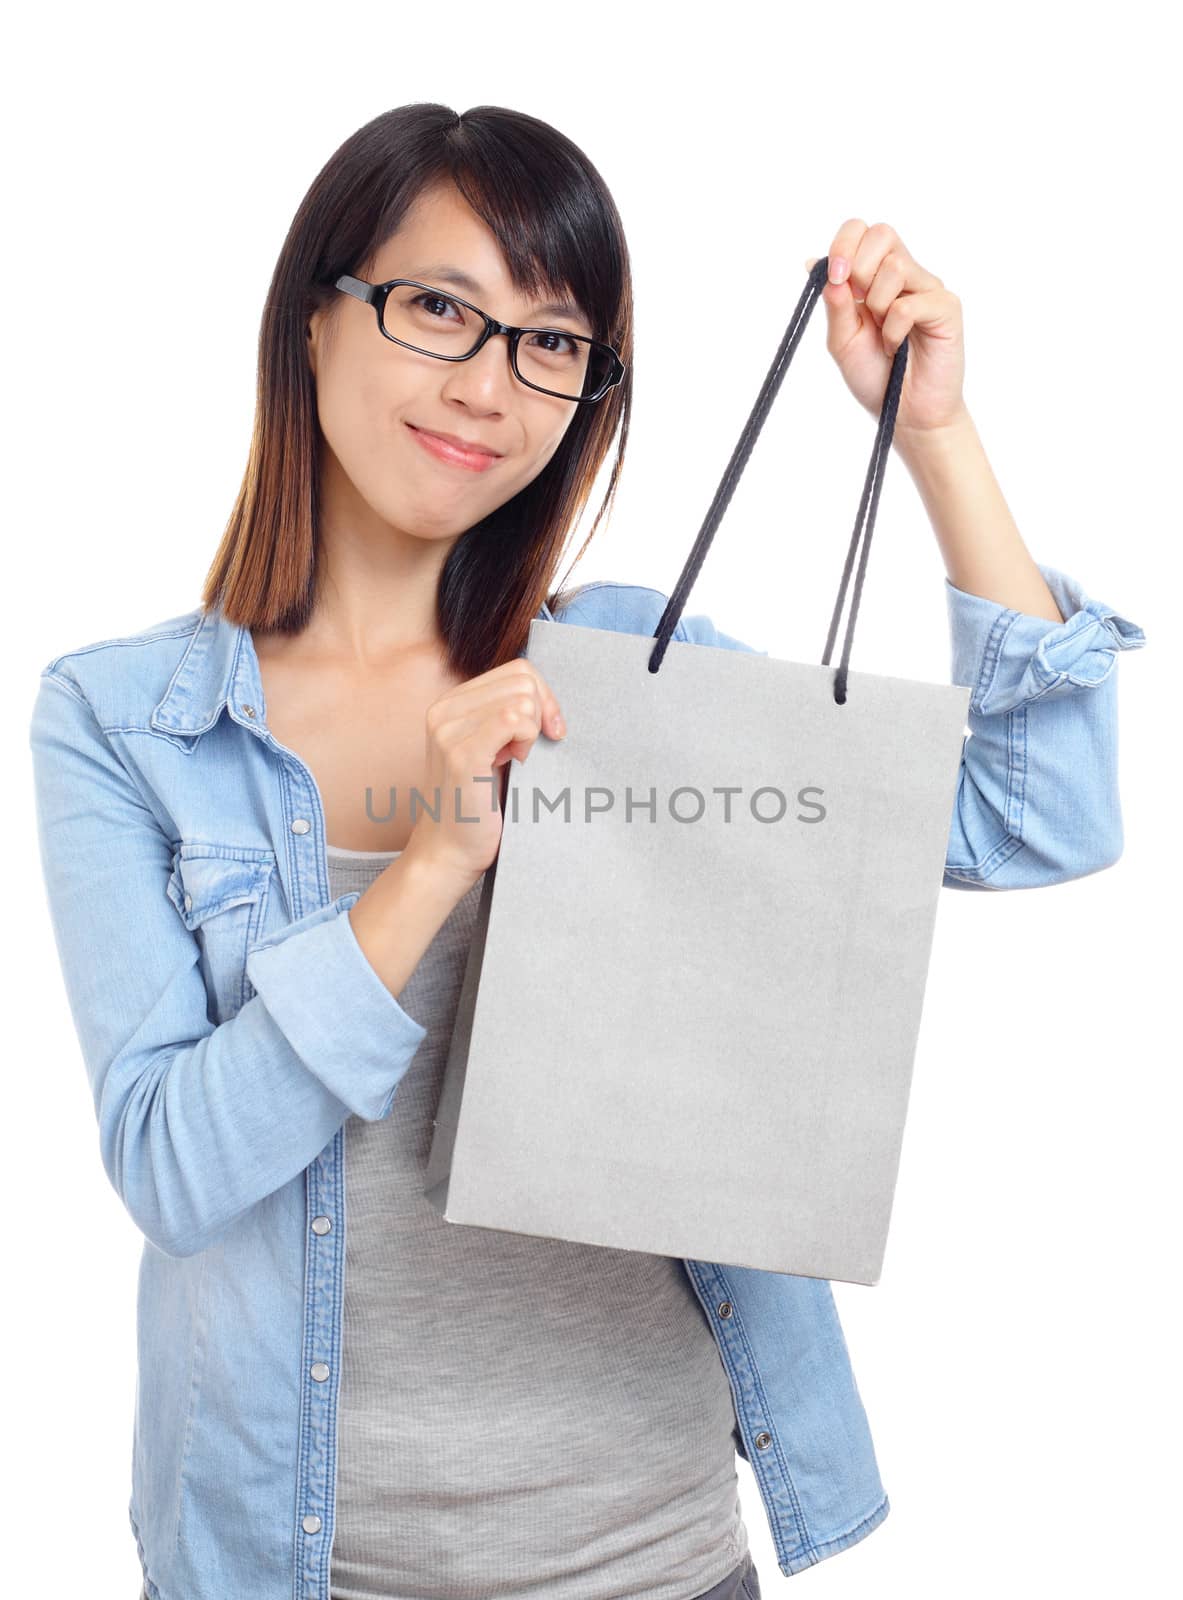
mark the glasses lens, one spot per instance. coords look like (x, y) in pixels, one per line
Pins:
(430, 321)
(553, 359)
(563, 362)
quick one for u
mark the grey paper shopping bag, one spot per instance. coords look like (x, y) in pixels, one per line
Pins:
(694, 991)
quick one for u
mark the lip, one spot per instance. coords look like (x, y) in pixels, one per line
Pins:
(447, 447)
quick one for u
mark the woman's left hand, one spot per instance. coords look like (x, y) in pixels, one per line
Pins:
(883, 296)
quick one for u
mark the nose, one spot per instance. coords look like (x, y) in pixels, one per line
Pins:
(488, 374)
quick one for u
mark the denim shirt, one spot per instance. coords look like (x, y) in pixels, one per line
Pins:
(230, 1023)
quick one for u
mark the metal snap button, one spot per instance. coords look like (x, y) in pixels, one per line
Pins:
(320, 1371)
(311, 1524)
(300, 825)
(321, 1224)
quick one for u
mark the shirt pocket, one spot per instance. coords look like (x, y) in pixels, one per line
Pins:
(221, 895)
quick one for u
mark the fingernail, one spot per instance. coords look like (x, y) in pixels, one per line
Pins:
(560, 726)
(839, 267)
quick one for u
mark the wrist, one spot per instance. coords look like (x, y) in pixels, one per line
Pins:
(433, 876)
(921, 444)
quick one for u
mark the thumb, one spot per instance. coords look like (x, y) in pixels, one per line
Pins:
(842, 317)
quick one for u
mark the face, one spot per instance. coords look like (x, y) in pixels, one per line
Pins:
(372, 394)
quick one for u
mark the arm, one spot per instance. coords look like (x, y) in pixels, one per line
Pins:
(980, 544)
(1038, 799)
(197, 1123)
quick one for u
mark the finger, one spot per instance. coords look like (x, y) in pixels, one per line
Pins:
(510, 734)
(935, 310)
(835, 270)
(899, 278)
(551, 712)
(867, 254)
(511, 711)
(843, 322)
(844, 248)
(842, 317)
(889, 282)
(512, 677)
(881, 251)
(470, 697)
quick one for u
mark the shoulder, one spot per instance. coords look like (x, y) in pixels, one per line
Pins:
(123, 678)
(636, 608)
(620, 607)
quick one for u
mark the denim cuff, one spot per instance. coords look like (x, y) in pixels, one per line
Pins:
(334, 1010)
(1007, 658)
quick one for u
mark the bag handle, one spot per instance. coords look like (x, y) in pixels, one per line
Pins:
(868, 505)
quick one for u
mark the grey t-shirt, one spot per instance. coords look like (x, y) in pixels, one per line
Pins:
(519, 1417)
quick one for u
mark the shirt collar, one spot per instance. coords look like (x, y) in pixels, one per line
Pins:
(220, 668)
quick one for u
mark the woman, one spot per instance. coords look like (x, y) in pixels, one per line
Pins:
(263, 942)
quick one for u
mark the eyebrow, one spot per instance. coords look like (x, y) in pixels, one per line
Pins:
(443, 272)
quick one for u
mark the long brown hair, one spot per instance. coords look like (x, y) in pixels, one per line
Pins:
(559, 229)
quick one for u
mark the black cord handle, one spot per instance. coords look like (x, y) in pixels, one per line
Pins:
(868, 505)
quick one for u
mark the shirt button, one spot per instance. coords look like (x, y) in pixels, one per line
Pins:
(320, 1371)
(311, 1524)
(300, 825)
(321, 1224)
(725, 1309)
(188, 902)
(763, 1440)
(249, 710)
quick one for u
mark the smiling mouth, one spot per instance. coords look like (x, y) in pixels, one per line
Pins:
(473, 460)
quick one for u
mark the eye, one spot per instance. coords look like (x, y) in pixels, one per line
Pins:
(425, 299)
(552, 349)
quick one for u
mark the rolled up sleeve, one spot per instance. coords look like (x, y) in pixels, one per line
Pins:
(1038, 801)
(294, 972)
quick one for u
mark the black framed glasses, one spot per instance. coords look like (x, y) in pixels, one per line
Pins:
(440, 324)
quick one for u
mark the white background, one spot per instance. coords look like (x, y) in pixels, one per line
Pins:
(1018, 1359)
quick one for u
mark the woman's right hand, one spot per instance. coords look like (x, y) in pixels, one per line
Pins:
(473, 731)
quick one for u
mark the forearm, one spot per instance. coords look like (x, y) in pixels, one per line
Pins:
(982, 548)
(399, 915)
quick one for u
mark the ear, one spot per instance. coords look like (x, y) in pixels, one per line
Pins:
(312, 339)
